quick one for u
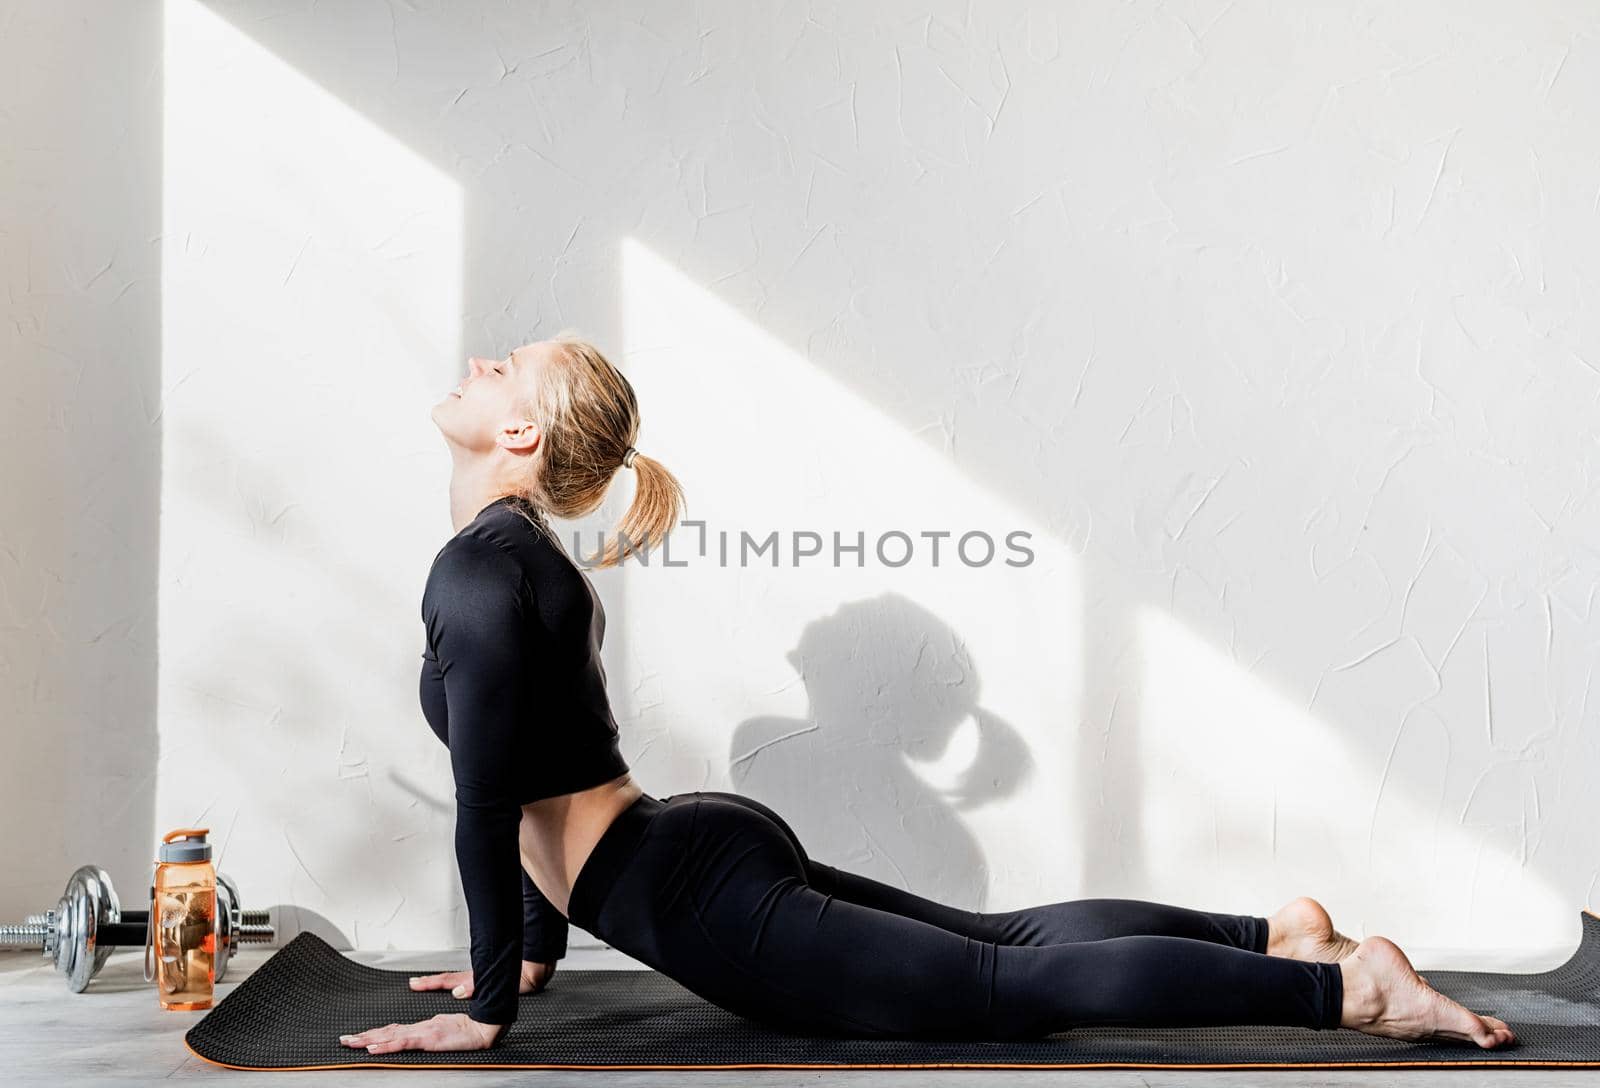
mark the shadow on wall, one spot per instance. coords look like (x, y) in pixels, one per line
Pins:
(292, 920)
(890, 686)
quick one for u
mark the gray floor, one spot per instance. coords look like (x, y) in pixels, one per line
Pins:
(115, 1032)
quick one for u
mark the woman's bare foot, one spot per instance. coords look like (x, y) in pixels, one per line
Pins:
(1302, 930)
(1384, 995)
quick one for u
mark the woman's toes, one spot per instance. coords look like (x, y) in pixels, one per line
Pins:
(1459, 1022)
(1470, 1024)
(1501, 1029)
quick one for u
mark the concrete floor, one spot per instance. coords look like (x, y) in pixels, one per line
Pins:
(115, 1032)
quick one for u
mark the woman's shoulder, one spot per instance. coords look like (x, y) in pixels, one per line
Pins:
(473, 573)
(503, 549)
(498, 529)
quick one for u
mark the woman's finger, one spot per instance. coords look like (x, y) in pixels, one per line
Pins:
(399, 1040)
(444, 980)
(384, 1034)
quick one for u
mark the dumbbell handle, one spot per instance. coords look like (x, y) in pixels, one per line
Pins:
(27, 935)
(255, 927)
(247, 918)
(127, 934)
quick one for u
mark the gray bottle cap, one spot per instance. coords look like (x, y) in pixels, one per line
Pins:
(186, 850)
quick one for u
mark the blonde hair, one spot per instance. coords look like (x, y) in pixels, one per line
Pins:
(589, 419)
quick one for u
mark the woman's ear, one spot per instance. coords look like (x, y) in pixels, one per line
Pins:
(521, 437)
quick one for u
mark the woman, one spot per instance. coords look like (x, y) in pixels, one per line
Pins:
(713, 889)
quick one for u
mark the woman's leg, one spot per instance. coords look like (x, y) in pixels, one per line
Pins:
(1050, 923)
(760, 940)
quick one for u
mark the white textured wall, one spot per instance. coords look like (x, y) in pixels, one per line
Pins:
(1267, 322)
(80, 444)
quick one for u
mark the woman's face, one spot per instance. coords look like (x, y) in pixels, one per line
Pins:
(481, 413)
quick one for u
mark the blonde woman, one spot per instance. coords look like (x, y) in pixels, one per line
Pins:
(713, 889)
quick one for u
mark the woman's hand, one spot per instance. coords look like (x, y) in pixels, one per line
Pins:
(459, 983)
(447, 1031)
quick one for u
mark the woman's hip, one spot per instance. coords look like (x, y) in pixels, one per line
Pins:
(684, 848)
(664, 863)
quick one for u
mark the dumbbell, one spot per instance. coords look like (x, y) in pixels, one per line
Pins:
(79, 933)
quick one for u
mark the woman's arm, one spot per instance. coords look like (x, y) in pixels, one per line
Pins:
(544, 929)
(479, 621)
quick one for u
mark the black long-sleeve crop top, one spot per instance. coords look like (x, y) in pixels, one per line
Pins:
(512, 682)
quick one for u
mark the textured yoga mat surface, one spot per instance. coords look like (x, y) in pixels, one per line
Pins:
(290, 1013)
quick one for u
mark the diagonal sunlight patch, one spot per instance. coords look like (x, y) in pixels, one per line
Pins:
(311, 298)
(1253, 800)
(917, 722)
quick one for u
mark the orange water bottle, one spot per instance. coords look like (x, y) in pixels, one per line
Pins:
(183, 921)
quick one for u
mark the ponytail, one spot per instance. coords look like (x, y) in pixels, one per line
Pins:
(657, 505)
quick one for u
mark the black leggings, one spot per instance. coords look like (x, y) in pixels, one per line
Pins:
(715, 891)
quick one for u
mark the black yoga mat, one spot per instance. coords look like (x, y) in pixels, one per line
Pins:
(290, 1013)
